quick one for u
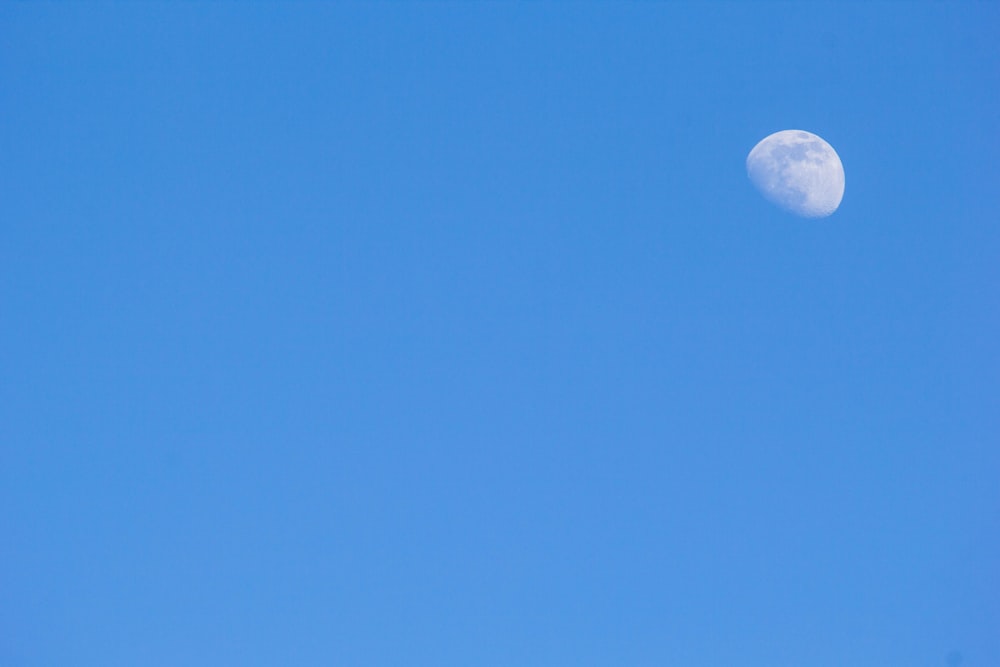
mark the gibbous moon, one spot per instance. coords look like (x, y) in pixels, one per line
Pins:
(799, 172)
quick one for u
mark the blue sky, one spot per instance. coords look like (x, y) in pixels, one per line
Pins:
(455, 334)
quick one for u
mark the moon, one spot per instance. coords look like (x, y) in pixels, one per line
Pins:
(799, 172)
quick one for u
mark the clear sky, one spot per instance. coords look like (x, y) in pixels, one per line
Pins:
(440, 334)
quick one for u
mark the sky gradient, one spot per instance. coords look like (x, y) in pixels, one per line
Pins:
(455, 334)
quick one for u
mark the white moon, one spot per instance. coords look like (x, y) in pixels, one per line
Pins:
(799, 172)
